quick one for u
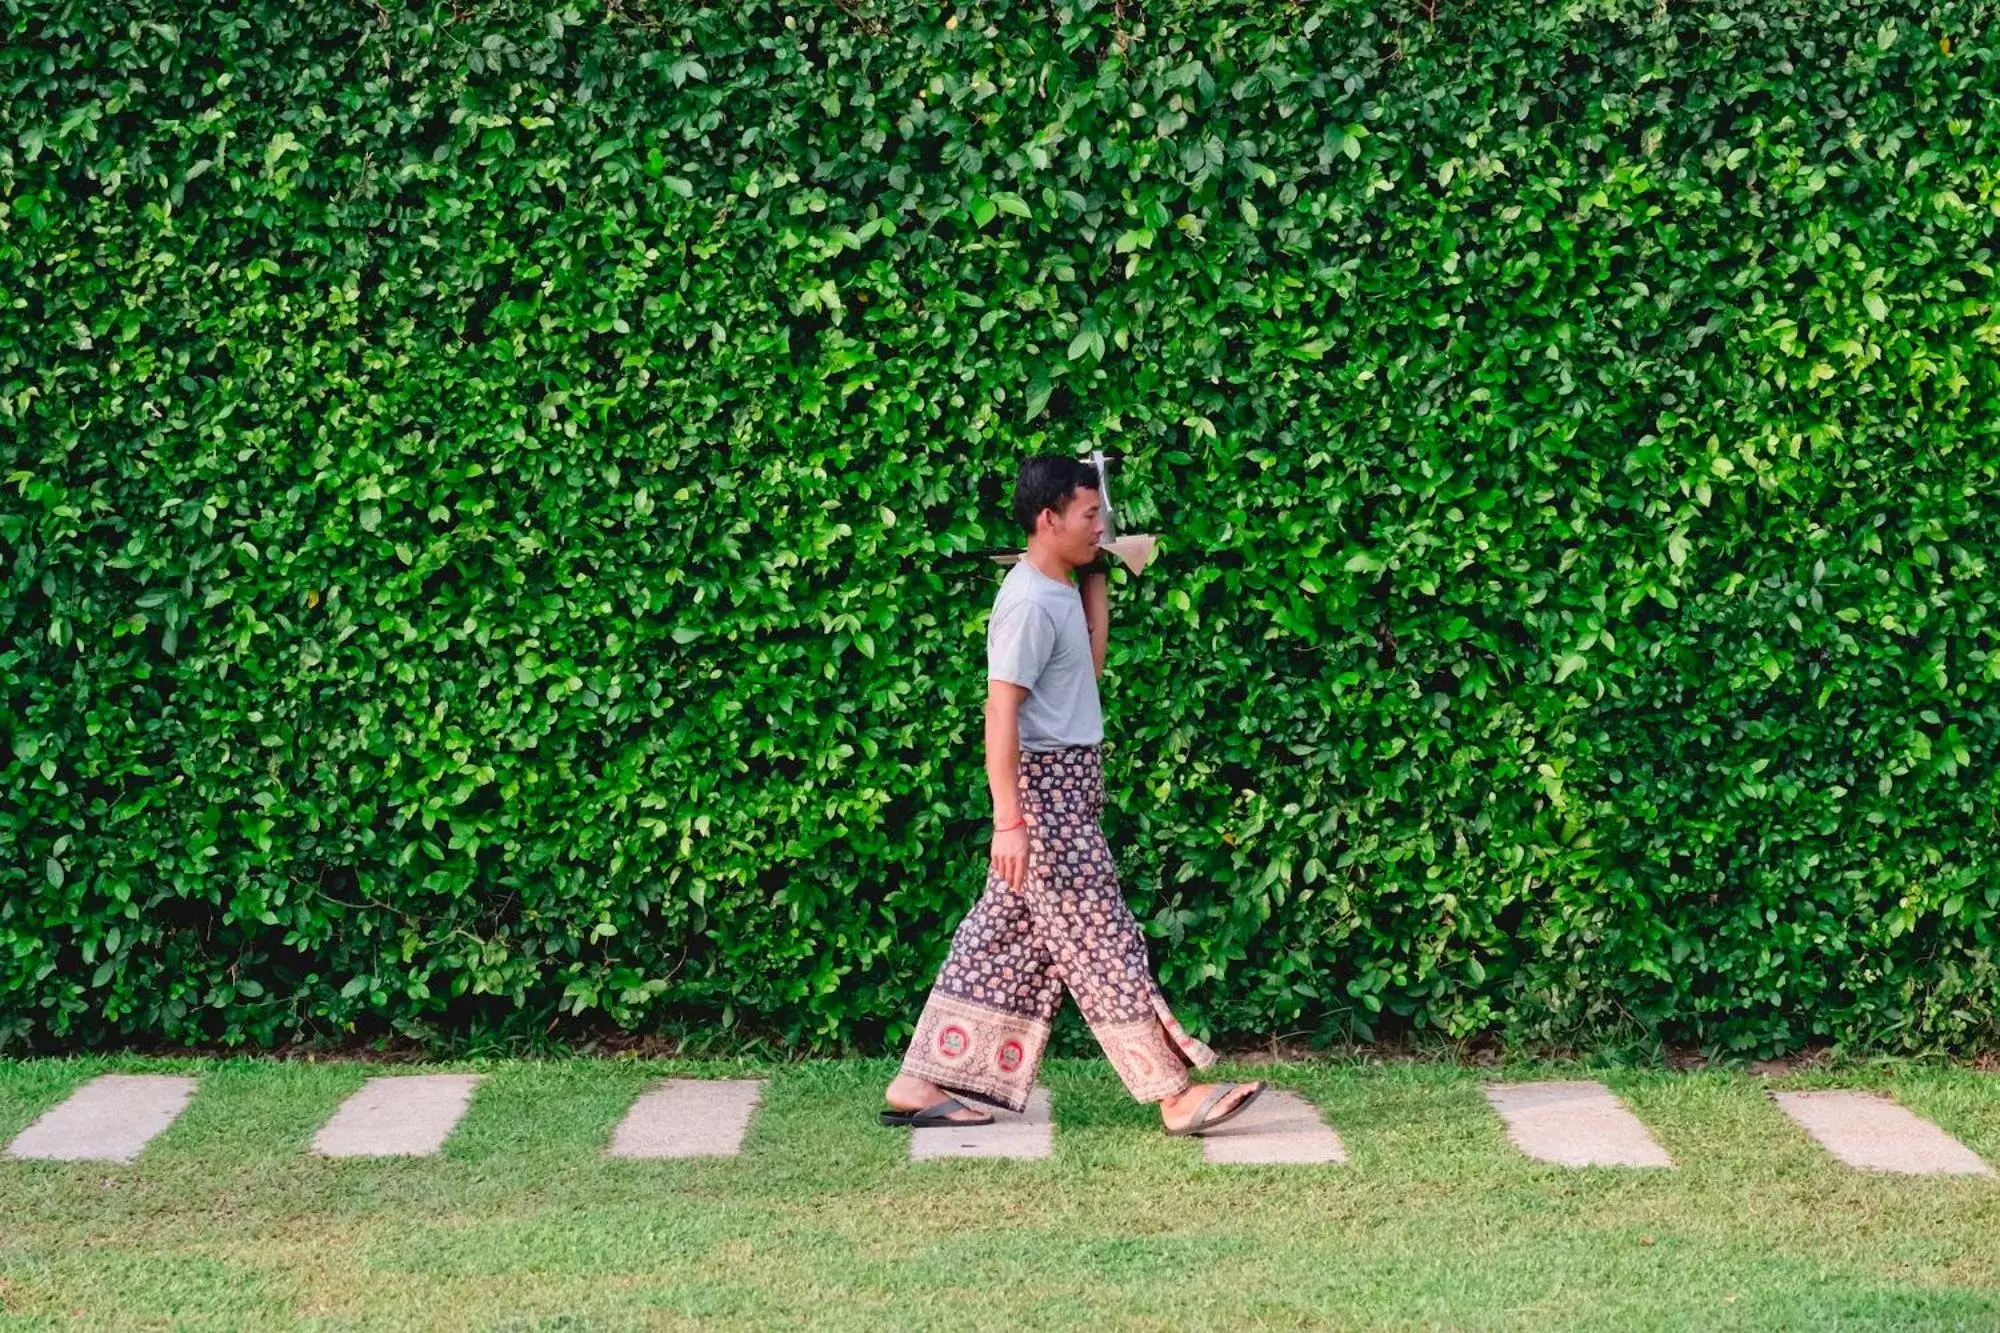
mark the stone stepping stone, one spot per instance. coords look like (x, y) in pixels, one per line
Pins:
(1030, 1134)
(688, 1117)
(1278, 1128)
(404, 1115)
(1574, 1123)
(109, 1119)
(1870, 1131)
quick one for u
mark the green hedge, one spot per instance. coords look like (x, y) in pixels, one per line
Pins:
(477, 488)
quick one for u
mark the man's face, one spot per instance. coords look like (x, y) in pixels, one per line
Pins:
(1078, 528)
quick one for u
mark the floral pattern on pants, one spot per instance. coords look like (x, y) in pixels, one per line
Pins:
(986, 1024)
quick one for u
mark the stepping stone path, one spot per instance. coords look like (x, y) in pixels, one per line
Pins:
(406, 1115)
(109, 1119)
(1278, 1128)
(1029, 1135)
(687, 1117)
(1875, 1134)
(1574, 1123)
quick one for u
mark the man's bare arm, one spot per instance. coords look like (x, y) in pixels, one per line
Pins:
(1003, 748)
(1003, 768)
(1097, 615)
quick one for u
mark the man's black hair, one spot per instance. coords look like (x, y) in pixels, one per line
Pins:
(1049, 483)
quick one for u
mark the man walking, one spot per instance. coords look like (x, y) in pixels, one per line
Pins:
(1052, 914)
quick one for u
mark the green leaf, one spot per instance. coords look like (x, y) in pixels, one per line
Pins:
(1039, 390)
(280, 144)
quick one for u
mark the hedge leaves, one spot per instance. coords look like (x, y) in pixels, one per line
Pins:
(477, 486)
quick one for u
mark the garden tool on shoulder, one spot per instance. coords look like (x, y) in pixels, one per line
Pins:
(1134, 550)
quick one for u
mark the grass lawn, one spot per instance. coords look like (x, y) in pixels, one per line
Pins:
(1436, 1222)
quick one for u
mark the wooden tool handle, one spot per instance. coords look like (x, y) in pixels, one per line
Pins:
(1135, 550)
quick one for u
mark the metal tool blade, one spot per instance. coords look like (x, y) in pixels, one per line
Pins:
(1098, 460)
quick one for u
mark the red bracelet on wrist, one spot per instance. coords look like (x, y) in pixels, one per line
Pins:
(1019, 823)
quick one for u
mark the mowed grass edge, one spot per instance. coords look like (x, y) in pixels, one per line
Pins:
(228, 1220)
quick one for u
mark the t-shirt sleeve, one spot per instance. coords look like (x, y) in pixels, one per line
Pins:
(1020, 639)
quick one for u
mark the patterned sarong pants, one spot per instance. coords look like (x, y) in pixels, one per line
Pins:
(986, 1024)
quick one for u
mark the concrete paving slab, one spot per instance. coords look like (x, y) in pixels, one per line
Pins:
(402, 1115)
(1279, 1128)
(1574, 1122)
(109, 1119)
(688, 1117)
(1029, 1135)
(1874, 1133)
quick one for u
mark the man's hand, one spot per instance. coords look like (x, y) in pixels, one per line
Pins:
(1010, 857)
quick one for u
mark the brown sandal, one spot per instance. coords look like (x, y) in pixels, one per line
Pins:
(939, 1113)
(1203, 1122)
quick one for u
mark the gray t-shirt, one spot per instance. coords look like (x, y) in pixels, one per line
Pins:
(1038, 638)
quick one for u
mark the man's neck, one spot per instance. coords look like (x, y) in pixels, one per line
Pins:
(1048, 562)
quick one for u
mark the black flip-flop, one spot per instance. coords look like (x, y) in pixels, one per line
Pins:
(936, 1114)
(1202, 1122)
